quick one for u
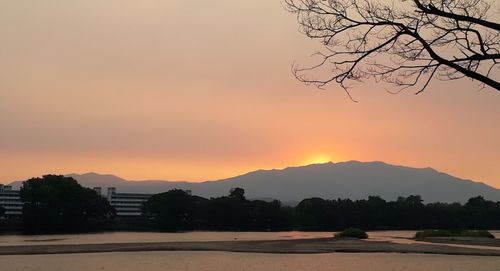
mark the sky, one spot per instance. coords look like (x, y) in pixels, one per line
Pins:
(201, 90)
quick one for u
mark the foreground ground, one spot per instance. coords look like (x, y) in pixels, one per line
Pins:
(299, 246)
(229, 261)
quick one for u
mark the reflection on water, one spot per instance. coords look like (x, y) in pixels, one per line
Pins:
(145, 237)
(408, 234)
(226, 261)
(401, 237)
(404, 237)
(230, 261)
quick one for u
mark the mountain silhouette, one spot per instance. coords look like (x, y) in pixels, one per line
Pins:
(353, 180)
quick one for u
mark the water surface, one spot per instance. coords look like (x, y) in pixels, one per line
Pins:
(227, 261)
(402, 237)
(146, 237)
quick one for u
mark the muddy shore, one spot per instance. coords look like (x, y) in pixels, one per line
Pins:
(300, 246)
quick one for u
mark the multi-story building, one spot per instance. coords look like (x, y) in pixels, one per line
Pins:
(11, 201)
(126, 204)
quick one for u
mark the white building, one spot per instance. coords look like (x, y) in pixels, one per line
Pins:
(11, 201)
(126, 204)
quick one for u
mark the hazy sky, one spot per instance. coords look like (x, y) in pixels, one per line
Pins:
(199, 90)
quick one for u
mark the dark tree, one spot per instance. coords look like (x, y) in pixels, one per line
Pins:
(480, 213)
(406, 43)
(375, 212)
(178, 210)
(58, 203)
(237, 192)
(268, 215)
(314, 214)
(229, 213)
(174, 210)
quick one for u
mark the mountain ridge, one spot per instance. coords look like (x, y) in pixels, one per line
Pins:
(351, 179)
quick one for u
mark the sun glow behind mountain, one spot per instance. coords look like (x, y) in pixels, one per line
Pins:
(128, 89)
(319, 159)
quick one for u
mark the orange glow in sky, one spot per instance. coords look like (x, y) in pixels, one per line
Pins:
(159, 90)
(318, 159)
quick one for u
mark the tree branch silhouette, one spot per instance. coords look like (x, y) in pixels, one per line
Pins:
(406, 43)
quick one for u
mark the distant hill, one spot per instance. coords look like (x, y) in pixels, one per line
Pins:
(353, 179)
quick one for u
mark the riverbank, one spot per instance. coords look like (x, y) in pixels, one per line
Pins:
(298, 246)
(468, 241)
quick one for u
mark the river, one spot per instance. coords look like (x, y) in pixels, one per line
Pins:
(222, 261)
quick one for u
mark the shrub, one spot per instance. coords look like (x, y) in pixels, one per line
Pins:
(353, 233)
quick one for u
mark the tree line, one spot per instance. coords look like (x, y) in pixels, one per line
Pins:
(57, 203)
(178, 210)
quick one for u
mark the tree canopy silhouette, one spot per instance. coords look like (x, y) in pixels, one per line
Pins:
(178, 210)
(237, 192)
(174, 210)
(58, 203)
(407, 43)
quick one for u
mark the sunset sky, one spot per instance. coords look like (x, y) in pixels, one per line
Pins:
(201, 90)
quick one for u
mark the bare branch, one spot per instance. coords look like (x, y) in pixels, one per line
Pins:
(406, 43)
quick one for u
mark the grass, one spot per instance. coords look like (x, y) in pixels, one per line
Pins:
(353, 233)
(454, 233)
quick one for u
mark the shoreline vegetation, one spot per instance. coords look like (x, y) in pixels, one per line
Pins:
(352, 233)
(58, 204)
